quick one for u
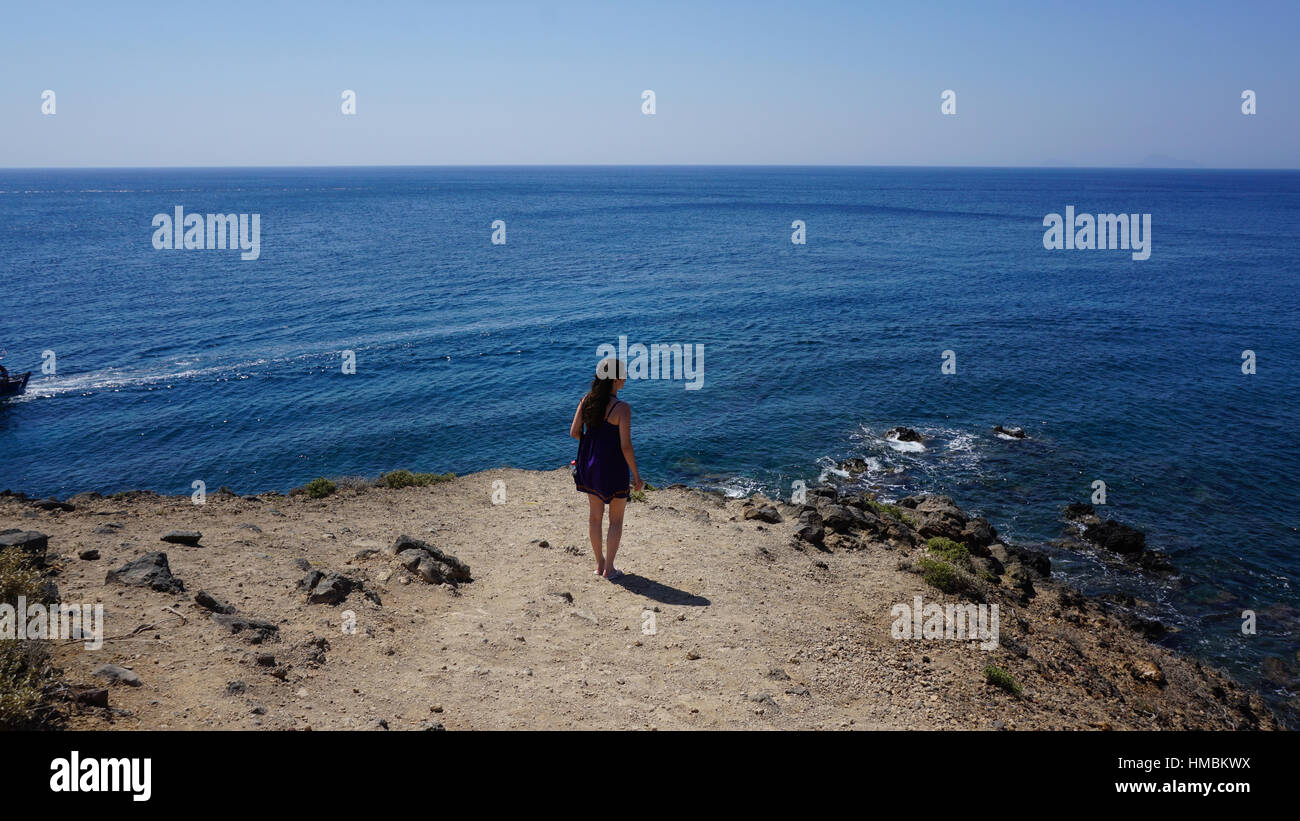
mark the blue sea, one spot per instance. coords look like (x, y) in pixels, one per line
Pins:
(179, 365)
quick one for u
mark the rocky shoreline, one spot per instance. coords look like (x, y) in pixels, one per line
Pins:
(359, 610)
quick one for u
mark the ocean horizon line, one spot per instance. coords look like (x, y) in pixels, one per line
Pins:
(757, 166)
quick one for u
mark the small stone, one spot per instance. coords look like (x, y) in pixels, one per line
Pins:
(116, 674)
(185, 537)
(94, 697)
(209, 602)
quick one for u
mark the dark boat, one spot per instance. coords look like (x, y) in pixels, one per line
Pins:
(13, 384)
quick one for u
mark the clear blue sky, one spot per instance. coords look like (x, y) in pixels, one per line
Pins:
(856, 83)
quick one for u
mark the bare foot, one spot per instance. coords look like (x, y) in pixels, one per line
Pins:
(600, 569)
(613, 573)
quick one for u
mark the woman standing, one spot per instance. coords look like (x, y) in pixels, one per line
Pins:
(602, 424)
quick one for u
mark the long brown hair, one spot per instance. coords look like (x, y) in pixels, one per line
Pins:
(602, 388)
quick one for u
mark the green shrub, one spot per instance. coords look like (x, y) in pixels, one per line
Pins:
(952, 552)
(893, 511)
(1001, 678)
(25, 673)
(948, 578)
(318, 488)
(405, 478)
(939, 574)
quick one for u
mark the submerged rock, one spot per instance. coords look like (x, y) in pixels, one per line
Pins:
(1076, 511)
(1115, 537)
(903, 434)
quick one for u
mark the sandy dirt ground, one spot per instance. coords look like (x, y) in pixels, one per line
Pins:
(721, 622)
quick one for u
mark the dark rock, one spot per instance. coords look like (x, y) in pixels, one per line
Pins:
(1079, 510)
(861, 501)
(811, 533)
(1147, 628)
(257, 630)
(236, 688)
(93, 697)
(1153, 561)
(150, 570)
(854, 466)
(1021, 579)
(89, 555)
(939, 516)
(989, 565)
(433, 727)
(1281, 672)
(978, 535)
(842, 518)
(264, 660)
(434, 571)
(32, 543)
(1014, 433)
(410, 559)
(326, 588)
(1072, 599)
(206, 600)
(1115, 537)
(764, 513)
(185, 537)
(53, 504)
(457, 571)
(117, 675)
(1035, 560)
(903, 434)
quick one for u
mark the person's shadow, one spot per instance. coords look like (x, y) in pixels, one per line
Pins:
(662, 593)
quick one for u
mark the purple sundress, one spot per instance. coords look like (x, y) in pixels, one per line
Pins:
(602, 470)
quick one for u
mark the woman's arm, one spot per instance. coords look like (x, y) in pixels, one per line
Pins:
(575, 429)
(625, 438)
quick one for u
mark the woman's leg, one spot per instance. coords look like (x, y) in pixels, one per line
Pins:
(616, 508)
(595, 514)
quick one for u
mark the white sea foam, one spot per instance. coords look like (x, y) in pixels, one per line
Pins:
(904, 447)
